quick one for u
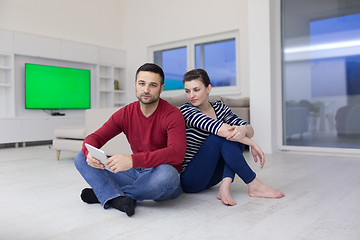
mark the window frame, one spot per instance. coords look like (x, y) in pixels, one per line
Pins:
(190, 46)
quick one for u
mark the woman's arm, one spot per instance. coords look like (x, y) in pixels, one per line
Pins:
(235, 133)
(194, 118)
(243, 134)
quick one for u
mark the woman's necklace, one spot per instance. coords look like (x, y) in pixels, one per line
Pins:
(209, 111)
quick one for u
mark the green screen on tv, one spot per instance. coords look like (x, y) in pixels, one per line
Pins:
(52, 87)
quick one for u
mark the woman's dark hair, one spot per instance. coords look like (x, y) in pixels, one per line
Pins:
(151, 67)
(197, 74)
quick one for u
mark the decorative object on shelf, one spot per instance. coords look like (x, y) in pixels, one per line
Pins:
(111, 83)
(116, 84)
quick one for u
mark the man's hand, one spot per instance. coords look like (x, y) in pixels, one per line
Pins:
(119, 163)
(93, 162)
(258, 153)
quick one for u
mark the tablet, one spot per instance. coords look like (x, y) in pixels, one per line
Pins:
(98, 154)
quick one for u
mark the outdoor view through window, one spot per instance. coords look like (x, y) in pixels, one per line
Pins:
(321, 73)
(217, 58)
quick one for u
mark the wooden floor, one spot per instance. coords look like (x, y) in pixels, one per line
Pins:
(40, 200)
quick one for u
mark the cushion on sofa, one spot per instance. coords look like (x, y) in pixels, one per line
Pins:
(239, 106)
(94, 119)
(214, 98)
(67, 144)
(70, 132)
(177, 100)
(181, 99)
(236, 102)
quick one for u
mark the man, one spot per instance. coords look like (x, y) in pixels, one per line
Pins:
(156, 133)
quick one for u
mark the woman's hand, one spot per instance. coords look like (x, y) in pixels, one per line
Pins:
(243, 135)
(236, 133)
(93, 162)
(256, 152)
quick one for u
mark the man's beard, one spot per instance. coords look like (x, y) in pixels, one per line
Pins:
(149, 101)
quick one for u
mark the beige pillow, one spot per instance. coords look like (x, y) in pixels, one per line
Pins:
(236, 102)
(214, 98)
(177, 100)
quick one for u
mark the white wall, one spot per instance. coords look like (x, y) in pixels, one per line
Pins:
(154, 22)
(88, 21)
(136, 25)
(147, 23)
(262, 103)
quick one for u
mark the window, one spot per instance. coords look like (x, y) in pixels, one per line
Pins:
(173, 63)
(321, 74)
(219, 60)
(216, 54)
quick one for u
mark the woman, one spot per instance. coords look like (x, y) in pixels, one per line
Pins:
(215, 144)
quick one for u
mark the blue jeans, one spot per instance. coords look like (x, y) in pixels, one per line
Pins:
(216, 159)
(158, 183)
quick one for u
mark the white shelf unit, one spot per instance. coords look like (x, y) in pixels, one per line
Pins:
(111, 86)
(18, 124)
(7, 88)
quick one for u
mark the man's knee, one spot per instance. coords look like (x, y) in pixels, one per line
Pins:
(165, 177)
(79, 160)
(167, 174)
(167, 182)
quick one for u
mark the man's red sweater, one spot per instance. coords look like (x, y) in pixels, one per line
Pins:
(154, 140)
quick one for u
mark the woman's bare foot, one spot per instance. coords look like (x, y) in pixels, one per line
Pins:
(258, 189)
(224, 192)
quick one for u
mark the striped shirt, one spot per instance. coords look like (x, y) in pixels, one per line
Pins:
(199, 126)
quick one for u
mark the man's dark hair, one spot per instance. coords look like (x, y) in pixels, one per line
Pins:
(197, 74)
(151, 67)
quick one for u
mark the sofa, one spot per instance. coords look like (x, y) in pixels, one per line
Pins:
(70, 138)
(239, 106)
(347, 121)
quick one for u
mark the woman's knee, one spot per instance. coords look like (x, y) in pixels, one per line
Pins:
(231, 145)
(215, 138)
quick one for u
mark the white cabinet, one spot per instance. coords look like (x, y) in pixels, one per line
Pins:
(7, 88)
(111, 86)
(27, 129)
(18, 124)
(11, 130)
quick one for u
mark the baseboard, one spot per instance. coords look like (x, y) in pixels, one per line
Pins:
(25, 144)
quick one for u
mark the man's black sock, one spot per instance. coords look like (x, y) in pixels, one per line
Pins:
(88, 196)
(124, 204)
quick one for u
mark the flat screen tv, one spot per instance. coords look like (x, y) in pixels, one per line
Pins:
(53, 87)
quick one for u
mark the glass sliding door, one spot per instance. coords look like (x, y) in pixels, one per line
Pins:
(321, 73)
